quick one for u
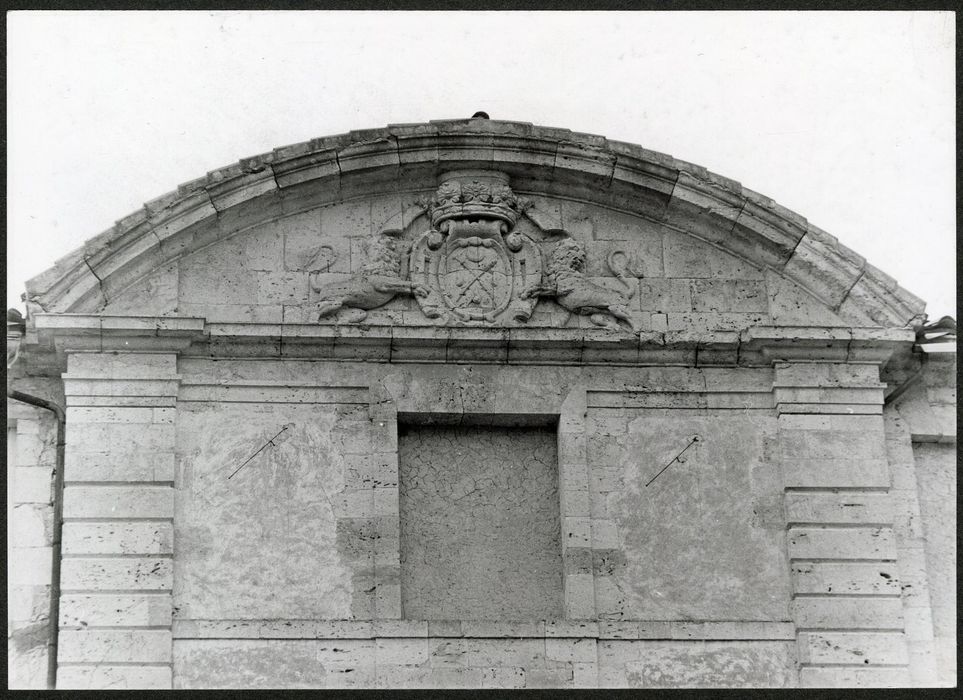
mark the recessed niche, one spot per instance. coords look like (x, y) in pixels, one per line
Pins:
(480, 529)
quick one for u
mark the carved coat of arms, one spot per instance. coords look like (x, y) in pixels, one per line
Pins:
(472, 261)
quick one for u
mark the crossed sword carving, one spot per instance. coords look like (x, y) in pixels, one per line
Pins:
(476, 278)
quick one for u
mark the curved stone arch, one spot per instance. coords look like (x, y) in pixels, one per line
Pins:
(408, 158)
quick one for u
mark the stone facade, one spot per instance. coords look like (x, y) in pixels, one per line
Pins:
(478, 404)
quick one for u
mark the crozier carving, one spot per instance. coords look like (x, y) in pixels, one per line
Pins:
(472, 261)
(569, 287)
(377, 283)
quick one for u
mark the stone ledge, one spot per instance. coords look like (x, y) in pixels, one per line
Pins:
(550, 629)
(757, 346)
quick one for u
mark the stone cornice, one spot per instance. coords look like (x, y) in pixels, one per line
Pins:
(57, 334)
(409, 157)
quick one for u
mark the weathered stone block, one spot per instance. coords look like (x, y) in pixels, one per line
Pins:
(31, 485)
(116, 574)
(400, 628)
(104, 646)
(200, 283)
(842, 543)
(842, 507)
(119, 677)
(852, 648)
(230, 663)
(122, 365)
(665, 295)
(849, 578)
(848, 612)
(28, 603)
(109, 437)
(668, 664)
(118, 466)
(579, 596)
(729, 295)
(118, 502)
(115, 610)
(29, 565)
(830, 677)
(841, 473)
(487, 653)
(823, 266)
(31, 525)
(686, 257)
(118, 538)
(391, 652)
(571, 650)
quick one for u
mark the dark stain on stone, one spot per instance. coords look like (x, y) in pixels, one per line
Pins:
(885, 575)
(30, 637)
(578, 560)
(606, 562)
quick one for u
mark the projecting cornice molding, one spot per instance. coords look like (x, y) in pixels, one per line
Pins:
(59, 334)
(408, 158)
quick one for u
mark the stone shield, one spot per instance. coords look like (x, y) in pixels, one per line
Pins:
(475, 277)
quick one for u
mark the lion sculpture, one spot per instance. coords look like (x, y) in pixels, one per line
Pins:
(570, 288)
(374, 285)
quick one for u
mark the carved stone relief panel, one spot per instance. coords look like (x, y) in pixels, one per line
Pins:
(474, 265)
(473, 262)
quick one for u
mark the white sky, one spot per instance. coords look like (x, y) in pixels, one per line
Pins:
(846, 118)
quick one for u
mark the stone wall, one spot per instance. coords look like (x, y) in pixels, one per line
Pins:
(639, 557)
(31, 469)
(254, 466)
(475, 655)
(921, 443)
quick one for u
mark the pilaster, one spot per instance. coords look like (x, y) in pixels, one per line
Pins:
(580, 535)
(839, 514)
(118, 534)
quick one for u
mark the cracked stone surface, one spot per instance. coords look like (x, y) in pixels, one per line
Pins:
(479, 517)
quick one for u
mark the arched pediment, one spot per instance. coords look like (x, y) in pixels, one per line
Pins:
(697, 243)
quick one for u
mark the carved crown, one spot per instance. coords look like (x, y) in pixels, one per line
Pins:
(481, 197)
